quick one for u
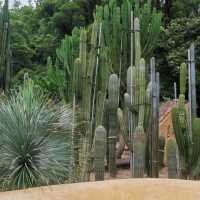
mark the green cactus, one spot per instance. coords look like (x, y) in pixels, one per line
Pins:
(106, 126)
(187, 134)
(5, 51)
(137, 100)
(87, 74)
(183, 76)
(171, 158)
(137, 42)
(116, 30)
(76, 78)
(161, 150)
(66, 54)
(195, 169)
(113, 95)
(139, 134)
(100, 151)
(154, 124)
(123, 123)
(139, 152)
(125, 26)
(83, 61)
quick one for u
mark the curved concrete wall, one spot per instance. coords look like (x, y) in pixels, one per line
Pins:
(130, 189)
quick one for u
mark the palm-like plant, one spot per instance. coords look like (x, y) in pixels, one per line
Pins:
(35, 140)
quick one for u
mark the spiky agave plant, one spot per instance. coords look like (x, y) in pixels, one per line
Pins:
(34, 144)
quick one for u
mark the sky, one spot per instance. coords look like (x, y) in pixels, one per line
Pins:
(23, 2)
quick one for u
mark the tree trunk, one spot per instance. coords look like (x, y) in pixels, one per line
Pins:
(167, 10)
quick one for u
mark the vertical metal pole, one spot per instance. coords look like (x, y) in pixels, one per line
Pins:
(156, 171)
(175, 91)
(96, 74)
(189, 95)
(153, 139)
(131, 94)
(193, 80)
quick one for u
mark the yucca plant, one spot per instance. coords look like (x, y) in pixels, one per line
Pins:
(34, 144)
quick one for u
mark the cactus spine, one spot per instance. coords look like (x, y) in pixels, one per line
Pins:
(100, 151)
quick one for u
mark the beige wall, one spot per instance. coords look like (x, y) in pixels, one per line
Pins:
(130, 189)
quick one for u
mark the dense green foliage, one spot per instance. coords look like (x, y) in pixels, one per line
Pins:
(37, 32)
(172, 50)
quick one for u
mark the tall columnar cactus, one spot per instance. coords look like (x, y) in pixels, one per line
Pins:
(83, 61)
(100, 151)
(86, 100)
(126, 24)
(187, 134)
(94, 70)
(113, 96)
(139, 134)
(181, 125)
(171, 158)
(138, 101)
(153, 141)
(5, 52)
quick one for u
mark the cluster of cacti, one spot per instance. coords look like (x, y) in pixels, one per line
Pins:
(5, 52)
(97, 97)
(67, 54)
(142, 101)
(186, 125)
(116, 25)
